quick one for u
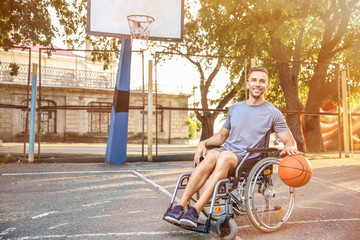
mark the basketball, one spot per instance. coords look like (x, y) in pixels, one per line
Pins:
(295, 170)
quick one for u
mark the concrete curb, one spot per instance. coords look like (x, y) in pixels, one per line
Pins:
(92, 159)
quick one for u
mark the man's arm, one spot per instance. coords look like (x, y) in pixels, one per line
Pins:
(289, 143)
(217, 139)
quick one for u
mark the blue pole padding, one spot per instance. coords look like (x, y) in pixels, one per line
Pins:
(118, 131)
(117, 143)
(32, 117)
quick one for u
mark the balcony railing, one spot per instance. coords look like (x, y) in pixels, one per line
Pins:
(68, 77)
(53, 76)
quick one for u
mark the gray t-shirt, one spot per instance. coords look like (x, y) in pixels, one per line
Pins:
(248, 125)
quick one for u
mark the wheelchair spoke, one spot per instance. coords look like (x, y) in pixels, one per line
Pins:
(270, 201)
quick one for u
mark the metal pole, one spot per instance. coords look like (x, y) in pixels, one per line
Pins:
(143, 108)
(350, 115)
(32, 115)
(339, 112)
(27, 104)
(39, 107)
(149, 121)
(345, 113)
(116, 147)
(245, 79)
(156, 115)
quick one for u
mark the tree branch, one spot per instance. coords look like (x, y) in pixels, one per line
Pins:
(213, 74)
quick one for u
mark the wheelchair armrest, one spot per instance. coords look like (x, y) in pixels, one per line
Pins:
(212, 147)
(262, 150)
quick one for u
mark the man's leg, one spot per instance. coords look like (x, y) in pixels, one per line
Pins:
(226, 162)
(199, 176)
(196, 181)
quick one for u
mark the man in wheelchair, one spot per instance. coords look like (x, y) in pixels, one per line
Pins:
(245, 127)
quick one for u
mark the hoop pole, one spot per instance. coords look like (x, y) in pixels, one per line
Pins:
(118, 131)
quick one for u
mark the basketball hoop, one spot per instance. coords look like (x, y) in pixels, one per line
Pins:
(140, 26)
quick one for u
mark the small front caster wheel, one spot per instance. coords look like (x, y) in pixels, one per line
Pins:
(226, 230)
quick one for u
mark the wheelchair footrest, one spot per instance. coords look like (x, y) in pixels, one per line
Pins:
(202, 228)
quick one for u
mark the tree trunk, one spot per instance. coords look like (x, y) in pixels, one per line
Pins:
(289, 84)
(207, 127)
(318, 91)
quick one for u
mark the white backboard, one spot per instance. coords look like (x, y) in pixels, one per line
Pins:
(109, 18)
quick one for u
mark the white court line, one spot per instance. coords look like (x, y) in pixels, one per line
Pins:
(72, 172)
(312, 221)
(44, 215)
(334, 203)
(154, 185)
(120, 234)
(88, 172)
(165, 170)
(41, 237)
(53, 227)
(299, 206)
(94, 204)
(139, 211)
(335, 185)
(100, 216)
(7, 231)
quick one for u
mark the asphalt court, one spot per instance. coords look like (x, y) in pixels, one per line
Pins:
(98, 201)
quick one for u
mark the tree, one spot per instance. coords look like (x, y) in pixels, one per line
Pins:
(204, 31)
(30, 22)
(293, 31)
(326, 27)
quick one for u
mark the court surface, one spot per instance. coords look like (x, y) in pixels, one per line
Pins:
(98, 201)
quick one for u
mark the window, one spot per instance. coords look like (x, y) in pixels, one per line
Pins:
(48, 117)
(99, 117)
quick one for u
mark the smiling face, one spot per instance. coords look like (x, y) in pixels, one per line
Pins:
(258, 84)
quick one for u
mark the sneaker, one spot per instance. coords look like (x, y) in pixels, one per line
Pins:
(190, 218)
(175, 214)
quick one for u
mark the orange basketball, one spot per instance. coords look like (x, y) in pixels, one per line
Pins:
(295, 170)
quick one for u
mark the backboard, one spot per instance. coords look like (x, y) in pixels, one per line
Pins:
(109, 18)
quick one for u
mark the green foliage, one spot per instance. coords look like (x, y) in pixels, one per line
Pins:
(198, 123)
(5, 159)
(14, 69)
(28, 23)
(192, 128)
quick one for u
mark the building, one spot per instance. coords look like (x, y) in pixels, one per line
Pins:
(76, 100)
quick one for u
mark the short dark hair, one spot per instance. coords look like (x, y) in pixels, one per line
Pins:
(258, 69)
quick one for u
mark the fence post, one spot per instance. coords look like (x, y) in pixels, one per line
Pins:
(150, 117)
(32, 114)
(345, 113)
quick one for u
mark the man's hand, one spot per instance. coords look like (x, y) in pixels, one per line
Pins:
(289, 144)
(200, 151)
(290, 151)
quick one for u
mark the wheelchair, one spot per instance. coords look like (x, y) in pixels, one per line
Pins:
(259, 193)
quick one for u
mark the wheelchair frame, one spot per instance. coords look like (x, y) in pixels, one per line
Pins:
(257, 183)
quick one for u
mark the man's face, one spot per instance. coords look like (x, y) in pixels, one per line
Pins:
(257, 84)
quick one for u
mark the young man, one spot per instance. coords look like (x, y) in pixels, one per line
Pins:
(245, 127)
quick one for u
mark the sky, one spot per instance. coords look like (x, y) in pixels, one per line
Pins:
(175, 75)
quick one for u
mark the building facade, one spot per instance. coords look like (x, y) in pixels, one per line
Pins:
(76, 99)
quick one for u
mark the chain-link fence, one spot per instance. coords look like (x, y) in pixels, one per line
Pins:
(75, 97)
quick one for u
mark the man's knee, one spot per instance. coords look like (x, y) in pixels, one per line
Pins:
(227, 160)
(209, 162)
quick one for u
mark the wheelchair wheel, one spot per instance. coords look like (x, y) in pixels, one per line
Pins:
(226, 230)
(269, 202)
